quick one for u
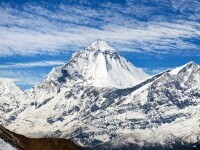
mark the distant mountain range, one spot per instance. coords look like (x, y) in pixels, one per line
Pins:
(101, 101)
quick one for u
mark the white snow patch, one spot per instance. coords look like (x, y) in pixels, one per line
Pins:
(6, 146)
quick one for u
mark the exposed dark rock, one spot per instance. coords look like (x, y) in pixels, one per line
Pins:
(21, 142)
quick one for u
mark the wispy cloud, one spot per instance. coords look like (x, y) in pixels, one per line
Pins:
(153, 71)
(36, 29)
(28, 78)
(32, 64)
(28, 74)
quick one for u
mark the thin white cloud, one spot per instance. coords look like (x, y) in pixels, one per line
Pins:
(32, 64)
(8, 79)
(28, 78)
(23, 74)
(153, 71)
(35, 29)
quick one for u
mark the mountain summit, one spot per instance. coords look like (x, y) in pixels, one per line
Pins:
(98, 65)
(101, 45)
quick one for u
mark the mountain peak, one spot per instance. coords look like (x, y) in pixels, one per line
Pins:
(100, 66)
(100, 45)
(191, 63)
(188, 65)
(8, 85)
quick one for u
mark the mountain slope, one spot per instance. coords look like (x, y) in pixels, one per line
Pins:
(13, 141)
(11, 98)
(5, 145)
(167, 108)
(128, 142)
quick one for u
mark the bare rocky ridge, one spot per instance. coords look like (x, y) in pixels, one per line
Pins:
(23, 143)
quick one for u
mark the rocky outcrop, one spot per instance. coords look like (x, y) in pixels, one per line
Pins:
(21, 142)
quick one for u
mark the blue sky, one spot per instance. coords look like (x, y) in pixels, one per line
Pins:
(153, 34)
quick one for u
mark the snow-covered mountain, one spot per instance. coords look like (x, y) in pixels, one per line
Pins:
(159, 110)
(10, 98)
(98, 97)
(98, 65)
(166, 106)
(67, 92)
